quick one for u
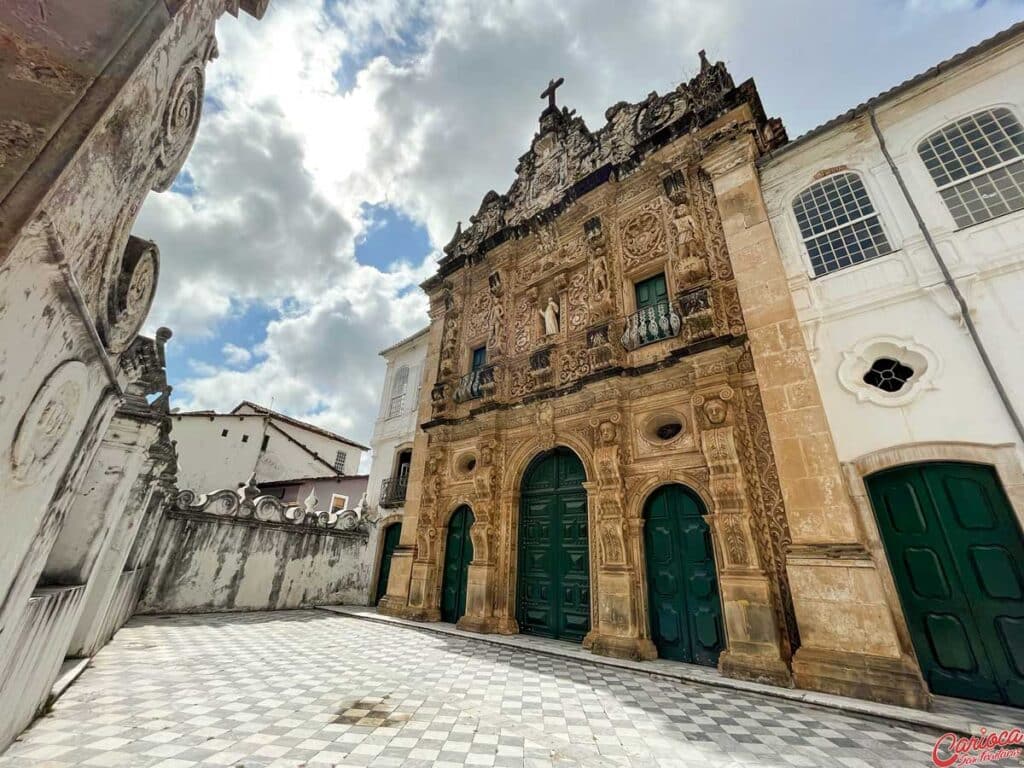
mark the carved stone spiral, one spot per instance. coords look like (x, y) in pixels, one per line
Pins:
(131, 294)
(180, 122)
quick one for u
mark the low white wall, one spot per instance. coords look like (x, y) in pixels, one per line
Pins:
(217, 556)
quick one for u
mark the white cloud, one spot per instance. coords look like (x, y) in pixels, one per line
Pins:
(236, 355)
(441, 98)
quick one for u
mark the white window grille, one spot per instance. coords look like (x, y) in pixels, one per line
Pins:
(838, 223)
(977, 163)
(339, 462)
(398, 386)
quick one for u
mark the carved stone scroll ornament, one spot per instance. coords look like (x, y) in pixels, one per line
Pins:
(131, 293)
(247, 502)
(180, 120)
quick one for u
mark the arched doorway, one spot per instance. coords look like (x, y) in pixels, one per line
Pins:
(387, 549)
(553, 595)
(682, 583)
(458, 553)
(956, 555)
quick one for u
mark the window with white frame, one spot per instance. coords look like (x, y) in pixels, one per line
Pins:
(339, 502)
(977, 163)
(398, 387)
(339, 462)
(838, 224)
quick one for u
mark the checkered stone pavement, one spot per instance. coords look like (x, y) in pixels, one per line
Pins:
(314, 688)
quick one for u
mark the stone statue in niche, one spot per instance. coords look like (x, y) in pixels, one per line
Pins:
(550, 315)
(448, 337)
(691, 264)
(599, 278)
(497, 326)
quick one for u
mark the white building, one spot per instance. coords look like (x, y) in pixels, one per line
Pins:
(883, 215)
(392, 441)
(221, 450)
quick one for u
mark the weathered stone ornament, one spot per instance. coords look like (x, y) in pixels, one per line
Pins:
(48, 423)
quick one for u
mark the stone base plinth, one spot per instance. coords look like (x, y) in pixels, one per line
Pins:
(876, 678)
(391, 606)
(633, 648)
(485, 625)
(756, 668)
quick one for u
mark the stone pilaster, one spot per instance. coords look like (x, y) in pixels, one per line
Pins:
(618, 631)
(755, 650)
(849, 643)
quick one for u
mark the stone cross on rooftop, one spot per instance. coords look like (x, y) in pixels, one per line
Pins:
(549, 92)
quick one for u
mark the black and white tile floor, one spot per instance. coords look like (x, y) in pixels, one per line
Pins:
(315, 688)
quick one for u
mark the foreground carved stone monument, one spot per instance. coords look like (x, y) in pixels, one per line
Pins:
(100, 104)
(616, 403)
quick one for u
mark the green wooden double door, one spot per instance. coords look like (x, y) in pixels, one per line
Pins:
(553, 596)
(391, 536)
(458, 554)
(682, 584)
(956, 556)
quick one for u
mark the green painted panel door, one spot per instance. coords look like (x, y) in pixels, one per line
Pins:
(956, 556)
(682, 584)
(458, 553)
(554, 552)
(391, 537)
(651, 291)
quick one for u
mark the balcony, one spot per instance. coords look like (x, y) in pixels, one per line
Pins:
(650, 324)
(392, 491)
(475, 384)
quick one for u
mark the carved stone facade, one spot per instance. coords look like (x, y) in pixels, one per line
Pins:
(96, 111)
(646, 396)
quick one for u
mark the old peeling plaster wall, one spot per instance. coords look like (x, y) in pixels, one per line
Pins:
(207, 564)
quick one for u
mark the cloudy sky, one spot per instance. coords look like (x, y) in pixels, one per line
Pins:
(342, 140)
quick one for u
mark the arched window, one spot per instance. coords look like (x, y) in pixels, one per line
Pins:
(977, 163)
(398, 386)
(838, 223)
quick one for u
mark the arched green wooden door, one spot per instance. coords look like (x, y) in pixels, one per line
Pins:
(458, 553)
(956, 555)
(553, 598)
(391, 536)
(682, 584)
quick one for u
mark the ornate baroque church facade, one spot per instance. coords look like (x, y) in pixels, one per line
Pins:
(613, 353)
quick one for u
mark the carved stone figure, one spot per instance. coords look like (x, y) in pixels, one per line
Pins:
(599, 277)
(550, 316)
(716, 411)
(497, 326)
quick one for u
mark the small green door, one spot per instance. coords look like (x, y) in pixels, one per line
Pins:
(651, 291)
(956, 554)
(458, 553)
(682, 584)
(391, 536)
(554, 553)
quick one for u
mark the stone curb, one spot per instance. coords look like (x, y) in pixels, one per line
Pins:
(941, 722)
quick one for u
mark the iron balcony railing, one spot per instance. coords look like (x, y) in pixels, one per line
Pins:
(392, 490)
(650, 324)
(475, 384)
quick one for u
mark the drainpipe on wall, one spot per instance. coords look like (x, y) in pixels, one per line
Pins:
(965, 314)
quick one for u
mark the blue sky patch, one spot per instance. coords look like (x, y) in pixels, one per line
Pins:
(390, 237)
(245, 326)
